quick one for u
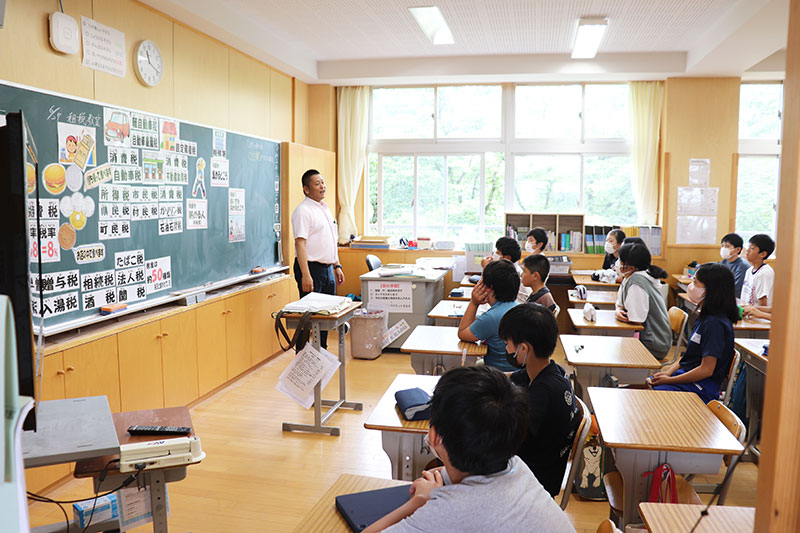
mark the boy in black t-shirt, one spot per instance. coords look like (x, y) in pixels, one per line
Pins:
(530, 332)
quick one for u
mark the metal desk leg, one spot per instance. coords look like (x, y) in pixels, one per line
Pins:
(158, 500)
(407, 452)
(342, 402)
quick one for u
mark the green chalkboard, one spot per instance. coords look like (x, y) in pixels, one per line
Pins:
(138, 208)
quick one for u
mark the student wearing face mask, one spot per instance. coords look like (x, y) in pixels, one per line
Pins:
(730, 251)
(536, 241)
(705, 364)
(530, 332)
(639, 300)
(613, 242)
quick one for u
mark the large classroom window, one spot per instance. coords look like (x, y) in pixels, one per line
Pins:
(447, 162)
(760, 108)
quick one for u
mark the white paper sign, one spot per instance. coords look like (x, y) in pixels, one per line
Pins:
(698, 200)
(390, 296)
(113, 229)
(131, 293)
(129, 259)
(236, 201)
(54, 281)
(394, 333)
(699, 172)
(103, 47)
(196, 213)
(97, 299)
(97, 280)
(309, 367)
(89, 253)
(159, 274)
(168, 226)
(696, 229)
(219, 172)
(56, 305)
(129, 276)
(50, 251)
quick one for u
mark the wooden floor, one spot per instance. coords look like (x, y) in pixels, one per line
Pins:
(258, 478)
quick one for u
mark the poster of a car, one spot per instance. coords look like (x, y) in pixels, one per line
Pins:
(117, 130)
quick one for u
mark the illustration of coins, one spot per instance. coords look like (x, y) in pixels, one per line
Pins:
(66, 236)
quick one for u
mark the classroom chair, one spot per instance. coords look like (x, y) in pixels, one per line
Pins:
(677, 321)
(735, 426)
(614, 486)
(576, 452)
(607, 526)
(373, 262)
(727, 391)
(557, 310)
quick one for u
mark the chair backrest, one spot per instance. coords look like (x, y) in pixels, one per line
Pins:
(726, 393)
(607, 526)
(373, 262)
(577, 451)
(729, 419)
(677, 322)
(556, 310)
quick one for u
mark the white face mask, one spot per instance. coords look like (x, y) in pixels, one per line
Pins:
(496, 257)
(610, 248)
(528, 247)
(617, 267)
(725, 253)
(695, 293)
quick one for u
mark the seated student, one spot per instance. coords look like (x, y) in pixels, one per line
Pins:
(639, 300)
(613, 242)
(730, 251)
(757, 311)
(536, 241)
(531, 334)
(508, 249)
(498, 287)
(759, 279)
(654, 270)
(705, 364)
(477, 422)
(535, 269)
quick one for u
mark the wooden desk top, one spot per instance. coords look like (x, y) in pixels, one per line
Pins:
(685, 296)
(594, 297)
(583, 279)
(324, 516)
(465, 298)
(753, 324)
(170, 416)
(386, 416)
(605, 320)
(624, 352)
(349, 309)
(680, 278)
(439, 340)
(465, 282)
(669, 518)
(660, 420)
(754, 347)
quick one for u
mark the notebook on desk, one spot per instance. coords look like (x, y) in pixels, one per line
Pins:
(363, 508)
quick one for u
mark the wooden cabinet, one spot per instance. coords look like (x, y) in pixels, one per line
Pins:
(140, 369)
(236, 338)
(260, 305)
(286, 291)
(179, 358)
(211, 351)
(92, 369)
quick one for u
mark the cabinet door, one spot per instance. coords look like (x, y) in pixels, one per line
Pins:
(92, 369)
(53, 374)
(259, 322)
(140, 374)
(238, 344)
(211, 358)
(179, 358)
(286, 291)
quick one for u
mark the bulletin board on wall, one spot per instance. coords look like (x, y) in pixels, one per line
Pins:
(138, 208)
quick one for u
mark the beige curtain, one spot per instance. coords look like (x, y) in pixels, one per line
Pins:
(353, 113)
(645, 101)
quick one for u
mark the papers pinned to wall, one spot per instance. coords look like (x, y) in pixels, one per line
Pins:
(699, 172)
(309, 367)
(696, 229)
(698, 200)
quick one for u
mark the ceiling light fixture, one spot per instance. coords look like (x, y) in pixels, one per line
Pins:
(587, 39)
(432, 24)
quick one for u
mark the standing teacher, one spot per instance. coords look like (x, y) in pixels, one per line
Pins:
(315, 237)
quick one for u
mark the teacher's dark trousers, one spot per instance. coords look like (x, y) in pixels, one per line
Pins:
(324, 282)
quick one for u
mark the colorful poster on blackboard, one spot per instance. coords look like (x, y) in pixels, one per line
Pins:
(76, 144)
(116, 127)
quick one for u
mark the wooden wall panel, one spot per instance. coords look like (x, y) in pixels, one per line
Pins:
(249, 95)
(138, 23)
(322, 117)
(201, 78)
(280, 106)
(301, 114)
(27, 57)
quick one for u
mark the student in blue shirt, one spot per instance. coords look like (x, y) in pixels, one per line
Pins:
(498, 287)
(730, 251)
(705, 364)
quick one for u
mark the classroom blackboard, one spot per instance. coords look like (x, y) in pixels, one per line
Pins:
(138, 208)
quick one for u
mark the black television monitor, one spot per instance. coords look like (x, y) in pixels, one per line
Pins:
(18, 164)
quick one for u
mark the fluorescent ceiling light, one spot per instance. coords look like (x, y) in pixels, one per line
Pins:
(432, 23)
(587, 40)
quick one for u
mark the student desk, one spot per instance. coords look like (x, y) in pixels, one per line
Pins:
(595, 357)
(686, 303)
(752, 328)
(155, 478)
(465, 298)
(449, 312)
(671, 518)
(465, 282)
(600, 299)
(752, 351)
(645, 428)
(606, 324)
(426, 287)
(589, 283)
(682, 281)
(402, 439)
(324, 516)
(327, 323)
(435, 348)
